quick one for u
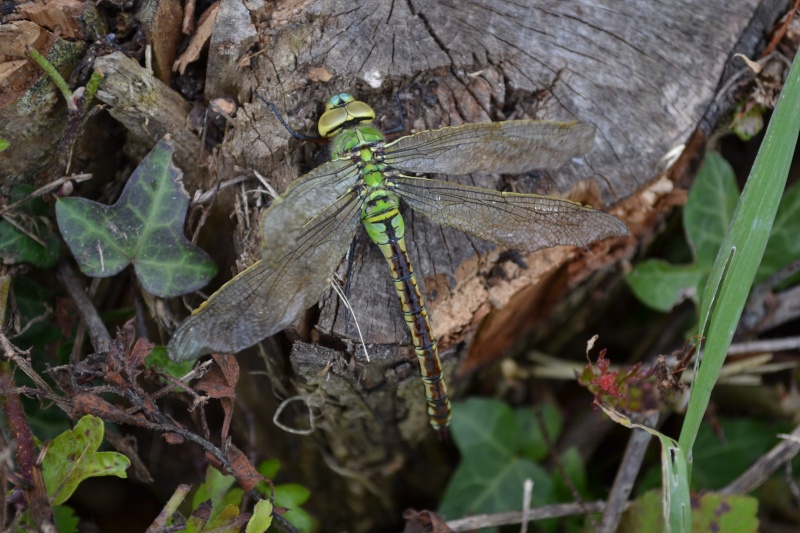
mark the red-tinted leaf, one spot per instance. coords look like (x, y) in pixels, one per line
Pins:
(244, 472)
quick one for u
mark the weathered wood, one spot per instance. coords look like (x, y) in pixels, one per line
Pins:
(149, 110)
(646, 74)
(161, 24)
(33, 112)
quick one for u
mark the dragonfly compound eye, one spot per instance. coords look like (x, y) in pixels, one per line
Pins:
(335, 118)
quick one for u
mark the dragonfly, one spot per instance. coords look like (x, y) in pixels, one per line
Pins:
(308, 229)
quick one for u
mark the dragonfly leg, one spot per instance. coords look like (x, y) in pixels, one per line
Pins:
(295, 134)
(402, 126)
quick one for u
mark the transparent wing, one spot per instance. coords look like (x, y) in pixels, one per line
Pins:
(524, 222)
(263, 300)
(283, 223)
(510, 147)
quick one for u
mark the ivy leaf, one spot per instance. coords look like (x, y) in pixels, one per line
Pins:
(144, 227)
(709, 208)
(493, 467)
(708, 212)
(73, 457)
(26, 236)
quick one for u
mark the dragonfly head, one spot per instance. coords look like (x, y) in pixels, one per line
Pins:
(343, 110)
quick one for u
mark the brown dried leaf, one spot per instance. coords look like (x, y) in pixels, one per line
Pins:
(87, 403)
(173, 438)
(134, 362)
(220, 380)
(244, 472)
(200, 39)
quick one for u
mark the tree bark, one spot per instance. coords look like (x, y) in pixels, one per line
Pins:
(646, 74)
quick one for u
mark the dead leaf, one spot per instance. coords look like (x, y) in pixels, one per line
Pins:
(220, 382)
(424, 522)
(173, 438)
(244, 472)
(87, 403)
(319, 74)
(199, 41)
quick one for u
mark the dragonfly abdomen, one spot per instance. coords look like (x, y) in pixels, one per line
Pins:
(386, 228)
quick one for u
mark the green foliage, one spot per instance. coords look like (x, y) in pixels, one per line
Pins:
(289, 496)
(226, 521)
(73, 457)
(742, 250)
(25, 234)
(219, 491)
(719, 459)
(500, 448)
(261, 519)
(158, 358)
(706, 216)
(65, 519)
(144, 227)
(674, 495)
(4, 144)
(710, 513)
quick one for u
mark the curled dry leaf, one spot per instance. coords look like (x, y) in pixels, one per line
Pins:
(199, 41)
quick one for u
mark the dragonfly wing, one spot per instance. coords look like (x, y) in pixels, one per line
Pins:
(283, 223)
(510, 147)
(525, 222)
(263, 299)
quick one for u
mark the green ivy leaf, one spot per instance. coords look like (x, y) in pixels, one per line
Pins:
(144, 227)
(261, 519)
(494, 463)
(18, 246)
(706, 216)
(709, 208)
(532, 441)
(4, 144)
(783, 246)
(662, 286)
(73, 457)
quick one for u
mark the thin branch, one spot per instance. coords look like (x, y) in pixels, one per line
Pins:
(768, 463)
(98, 333)
(515, 517)
(626, 474)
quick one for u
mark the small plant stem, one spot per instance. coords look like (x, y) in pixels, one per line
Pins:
(51, 71)
(30, 471)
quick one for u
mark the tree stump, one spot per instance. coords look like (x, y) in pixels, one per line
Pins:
(645, 74)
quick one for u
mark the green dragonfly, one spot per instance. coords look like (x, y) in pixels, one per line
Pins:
(308, 229)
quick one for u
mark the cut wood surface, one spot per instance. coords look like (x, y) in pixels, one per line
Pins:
(645, 74)
(650, 76)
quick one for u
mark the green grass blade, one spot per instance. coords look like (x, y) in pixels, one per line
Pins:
(739, 256)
